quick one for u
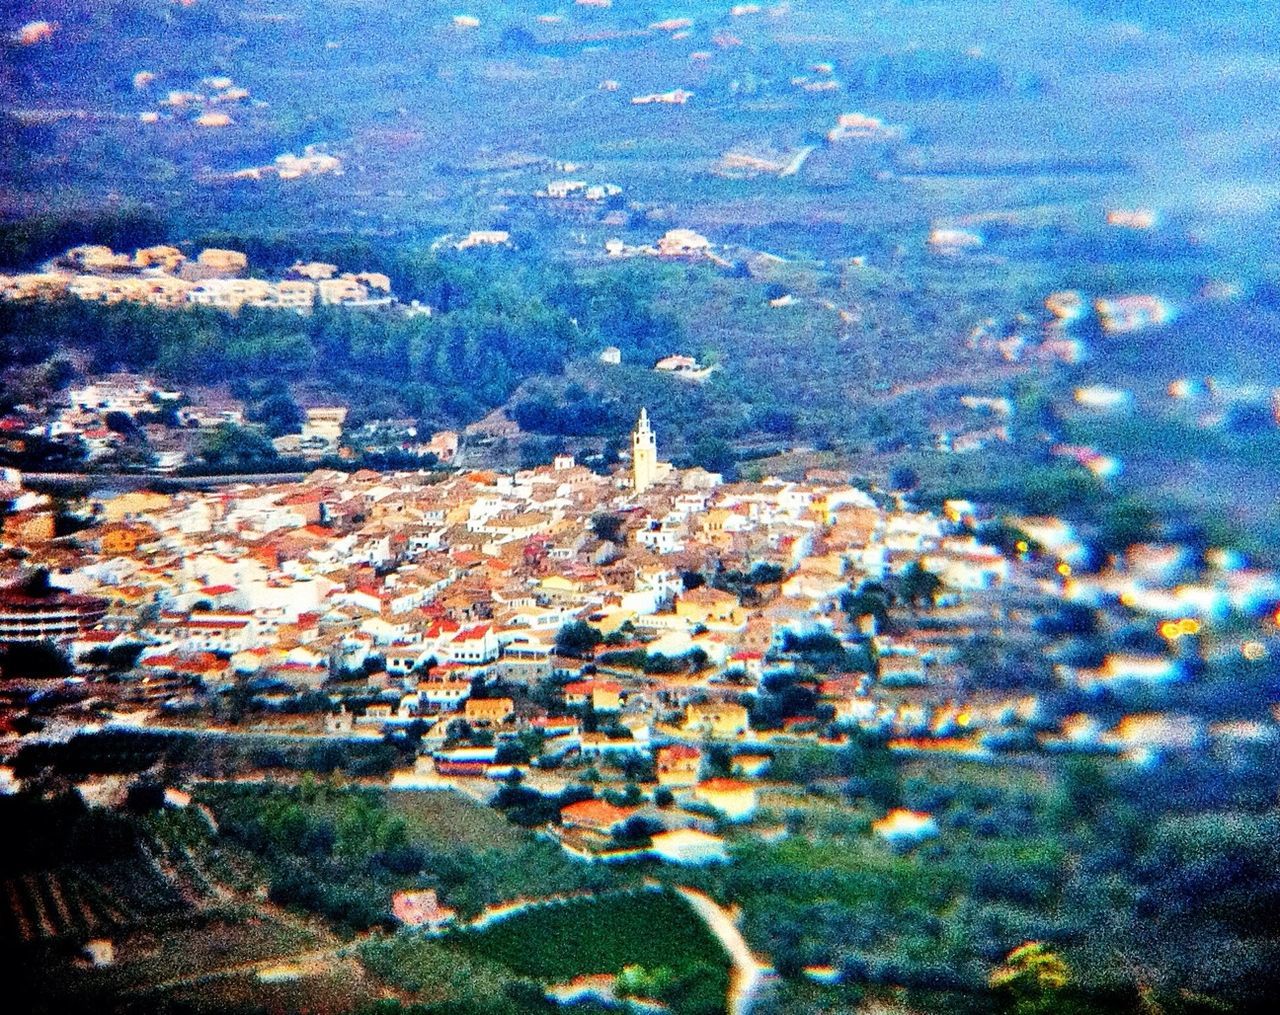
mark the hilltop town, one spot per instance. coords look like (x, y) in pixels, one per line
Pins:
(610, 616)
(738, 509)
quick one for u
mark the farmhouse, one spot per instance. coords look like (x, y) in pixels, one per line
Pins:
(422, 909)
(733, 798)
(689, 846)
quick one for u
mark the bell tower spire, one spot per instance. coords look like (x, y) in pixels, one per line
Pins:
(644, 454)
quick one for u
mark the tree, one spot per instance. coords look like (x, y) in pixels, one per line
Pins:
(608, 527)
(578, 639)
(919, 584)
(713, 454)
(903, 477)
(764, 573)
(34, 659)
(116, 658)
(629, 796)
(691, 580)
(1032, 975)
(457, 730)
(279, 413)
(145, 795)
(1125, 523)
(58, 373)
(1006, 537)
(235, 447)
(869, 600)
(636, 831)
(120, 422)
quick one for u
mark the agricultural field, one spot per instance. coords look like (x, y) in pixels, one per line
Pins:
(596, 935)
(428, 972)
(341, 852)
(52, 892)
(74, 904)
(177, 905)
(449, 819)
(602, 934)
(168, 958)
(823, 815)
(341, 986)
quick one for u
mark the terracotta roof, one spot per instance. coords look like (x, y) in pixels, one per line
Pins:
(550, 721)
(600, 813)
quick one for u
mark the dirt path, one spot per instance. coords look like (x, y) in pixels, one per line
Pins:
(748, 972)
(317, 957)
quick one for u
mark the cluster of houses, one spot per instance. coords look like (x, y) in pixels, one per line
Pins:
(857, 126)
(100, 414)
(674, 243)
(209, 104)
(448, 606)
(164, 276)
(287, 166)
(675, 97)
(578, 190)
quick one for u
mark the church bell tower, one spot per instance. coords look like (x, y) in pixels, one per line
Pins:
(644, 454)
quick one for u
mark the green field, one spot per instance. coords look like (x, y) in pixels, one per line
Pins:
(452, 820)
(504, 968)
(596, 935)
(342, 851)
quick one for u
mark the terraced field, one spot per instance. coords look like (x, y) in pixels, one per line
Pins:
(172, 867)
(63, 903)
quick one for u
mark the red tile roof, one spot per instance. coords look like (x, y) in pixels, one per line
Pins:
(596, 814)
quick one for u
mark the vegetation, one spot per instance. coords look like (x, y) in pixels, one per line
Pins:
(120, 751)
(341, 852)
(1056, 883)
(578, 639)
(448, 980)
(605, 934)
(1083, 860)
(492, 332)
